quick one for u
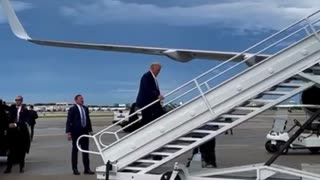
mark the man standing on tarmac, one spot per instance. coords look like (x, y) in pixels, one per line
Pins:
(4, 121)
(32, 121)
(18, 135)
(78, 124)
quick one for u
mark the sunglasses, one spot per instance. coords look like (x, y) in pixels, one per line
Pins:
(18, 100)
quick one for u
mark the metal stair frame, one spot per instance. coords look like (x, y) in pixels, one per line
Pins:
(262, 172)
(224, 98)
(249, 60)
(97, 137)
(231, 125)
(213, 103)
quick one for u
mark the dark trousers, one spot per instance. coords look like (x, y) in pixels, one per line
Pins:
(32, 131)
(84, 143)
(147, 116)
(208, 152)
(17, 152)
(16, 156)
(3, 140)
(151, 113)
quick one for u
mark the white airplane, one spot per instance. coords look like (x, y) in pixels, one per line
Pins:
(180, 55)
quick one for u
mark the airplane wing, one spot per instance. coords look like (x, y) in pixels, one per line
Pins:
(181, 55)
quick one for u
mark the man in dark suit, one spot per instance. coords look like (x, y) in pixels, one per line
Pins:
(18, 135)
(32, 121)
(79, 123)
(4, 121)
(149, 92)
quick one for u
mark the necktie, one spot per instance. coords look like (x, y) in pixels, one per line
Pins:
(83, 117)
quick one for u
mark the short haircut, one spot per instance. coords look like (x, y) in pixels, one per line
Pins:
(31, 106)
(155, 64)
(20, 97)
(77, 96)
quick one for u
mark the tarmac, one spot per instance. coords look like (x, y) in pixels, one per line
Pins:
(50, 155)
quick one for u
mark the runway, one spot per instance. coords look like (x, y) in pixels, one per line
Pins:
(50, 156)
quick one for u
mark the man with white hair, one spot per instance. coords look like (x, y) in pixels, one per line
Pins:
(149, 92)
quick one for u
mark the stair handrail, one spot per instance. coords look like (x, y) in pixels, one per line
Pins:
(179, 88)
(244, 53)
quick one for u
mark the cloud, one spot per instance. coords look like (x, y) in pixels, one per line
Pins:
(17, 6)
(245, 14)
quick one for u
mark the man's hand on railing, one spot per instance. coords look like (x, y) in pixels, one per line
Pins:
(161, 97)
(12, 125)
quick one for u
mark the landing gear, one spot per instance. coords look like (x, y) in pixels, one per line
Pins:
(271, 148)
(167, 176)
(279, 145)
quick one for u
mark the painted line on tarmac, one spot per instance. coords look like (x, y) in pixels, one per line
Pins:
(227, 145)
(231, 146)
(47, 135)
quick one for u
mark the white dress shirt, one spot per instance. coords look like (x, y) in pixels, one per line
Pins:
(155, 80)
(18, 113)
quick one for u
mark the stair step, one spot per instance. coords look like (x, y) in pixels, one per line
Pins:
(262, 100)
(247, 108)
(147, 161)
(174, 146)
(189, 139)
(217, 124)
(203, 131)
(290, 84)
(161, 154)
(275, 92)
(317, 68)
(232, 116)
(133, 168)
(296, 77)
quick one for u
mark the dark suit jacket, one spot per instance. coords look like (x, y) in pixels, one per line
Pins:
(19, 137)
(4, 118)
(24, 116)
(33, 116)
(74, 125)
(148, 91)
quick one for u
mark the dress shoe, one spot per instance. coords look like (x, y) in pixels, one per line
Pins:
(76, 172)
(88, 172)
(7, 171)
(210, 165)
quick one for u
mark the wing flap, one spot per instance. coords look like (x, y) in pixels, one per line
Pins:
(181, 55)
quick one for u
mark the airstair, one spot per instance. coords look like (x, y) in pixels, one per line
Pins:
(232, 90)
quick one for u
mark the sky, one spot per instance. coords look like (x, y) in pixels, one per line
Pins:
(51, 74)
